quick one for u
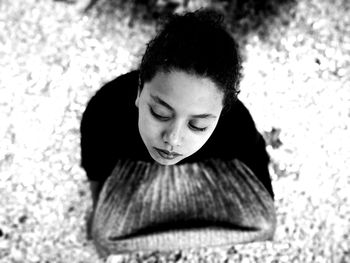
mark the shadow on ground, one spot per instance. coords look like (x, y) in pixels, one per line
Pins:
(244, 16)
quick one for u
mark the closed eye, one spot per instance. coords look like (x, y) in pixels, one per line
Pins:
(157, 116)
(197, 128)
(165, 118)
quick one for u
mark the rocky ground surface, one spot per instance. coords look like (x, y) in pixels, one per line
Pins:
(297, 83)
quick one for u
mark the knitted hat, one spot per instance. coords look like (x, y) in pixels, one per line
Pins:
(148, 206)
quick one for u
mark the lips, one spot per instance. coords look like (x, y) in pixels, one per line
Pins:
(166, 154)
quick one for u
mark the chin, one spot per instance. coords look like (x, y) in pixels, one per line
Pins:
(166, 162)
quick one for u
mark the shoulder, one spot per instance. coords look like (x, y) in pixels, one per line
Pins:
(237, 112)
(123, 85)
(110, 118)
(109, 102)
(118, 92)
(236, 126)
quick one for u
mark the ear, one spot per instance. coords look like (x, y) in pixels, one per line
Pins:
(137, 98)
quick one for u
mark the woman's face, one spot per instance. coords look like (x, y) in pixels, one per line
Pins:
(177, 114)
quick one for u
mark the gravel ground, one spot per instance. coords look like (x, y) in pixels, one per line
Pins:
(297, 80)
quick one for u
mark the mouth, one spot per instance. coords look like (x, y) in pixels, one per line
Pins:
(166, 154)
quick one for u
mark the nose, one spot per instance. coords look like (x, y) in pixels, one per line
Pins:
(173, 135)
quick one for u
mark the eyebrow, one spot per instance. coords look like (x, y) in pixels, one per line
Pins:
(162, 102)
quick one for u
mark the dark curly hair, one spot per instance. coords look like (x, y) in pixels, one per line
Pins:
(197, 43)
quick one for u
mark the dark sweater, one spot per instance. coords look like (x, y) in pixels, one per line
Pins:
(109, 131)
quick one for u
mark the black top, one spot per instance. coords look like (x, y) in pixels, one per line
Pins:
(109, 131)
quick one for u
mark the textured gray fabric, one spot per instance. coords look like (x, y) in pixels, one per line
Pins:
(145, 206)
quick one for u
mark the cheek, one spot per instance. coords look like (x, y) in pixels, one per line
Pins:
(195, 142)
(199, 140)
(148, 126)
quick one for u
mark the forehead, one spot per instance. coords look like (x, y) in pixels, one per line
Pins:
(186, 92)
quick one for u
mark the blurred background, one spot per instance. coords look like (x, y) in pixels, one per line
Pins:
(55, 54)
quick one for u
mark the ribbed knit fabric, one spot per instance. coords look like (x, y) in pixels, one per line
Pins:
(145, 207)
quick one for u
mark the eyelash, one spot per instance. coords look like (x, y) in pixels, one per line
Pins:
(198, 129)
(161, 118)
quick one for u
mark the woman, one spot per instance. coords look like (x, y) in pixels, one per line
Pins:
(176, 154)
